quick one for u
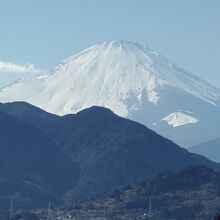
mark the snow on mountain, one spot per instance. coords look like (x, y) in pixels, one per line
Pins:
(130, 79)
(179, 118)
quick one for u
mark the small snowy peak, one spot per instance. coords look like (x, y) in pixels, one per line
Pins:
(177, 119)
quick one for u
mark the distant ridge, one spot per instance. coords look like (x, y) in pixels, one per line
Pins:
(210, 149)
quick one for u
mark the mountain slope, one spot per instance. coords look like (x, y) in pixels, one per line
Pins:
(133, 81)
(110, 150)
(32, 167)
(113, 151)
(210, 149)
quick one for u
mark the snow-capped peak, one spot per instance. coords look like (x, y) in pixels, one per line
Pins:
(108, 74)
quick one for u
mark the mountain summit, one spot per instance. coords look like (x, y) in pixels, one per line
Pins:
(133, 81)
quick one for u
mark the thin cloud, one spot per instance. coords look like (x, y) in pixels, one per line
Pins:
(8, 67)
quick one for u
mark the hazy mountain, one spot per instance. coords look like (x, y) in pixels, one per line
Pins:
(210, 149)
(133, 81)
(110, 150)
(113, 151)
(32, 167)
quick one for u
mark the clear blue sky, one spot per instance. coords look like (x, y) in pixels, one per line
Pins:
(44, 32)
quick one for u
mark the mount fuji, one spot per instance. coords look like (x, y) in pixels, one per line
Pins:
(133, 81)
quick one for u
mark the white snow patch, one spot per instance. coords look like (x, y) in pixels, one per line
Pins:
(179, 118)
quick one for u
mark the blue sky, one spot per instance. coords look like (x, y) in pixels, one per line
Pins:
(44, 32)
